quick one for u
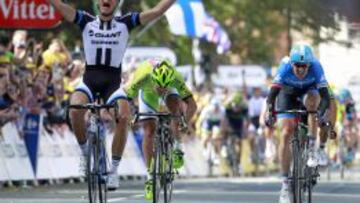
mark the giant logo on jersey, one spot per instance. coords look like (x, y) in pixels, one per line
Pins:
(104, 35)
(100, 38)
(28, 14)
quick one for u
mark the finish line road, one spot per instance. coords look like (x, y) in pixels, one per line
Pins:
(216, 190)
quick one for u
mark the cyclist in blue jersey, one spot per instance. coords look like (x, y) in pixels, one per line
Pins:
(105, 40)
(299, 75)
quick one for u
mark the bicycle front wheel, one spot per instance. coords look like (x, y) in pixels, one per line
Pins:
(296, 172)
(210, 159)
(156, 174)
(309, 191)
(102, 172)
(92, 179)
(341, 156)
(309, 183)
(96, 171)
(168, 178)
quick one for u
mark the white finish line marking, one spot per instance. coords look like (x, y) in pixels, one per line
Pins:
(125, 199)
(117, 199)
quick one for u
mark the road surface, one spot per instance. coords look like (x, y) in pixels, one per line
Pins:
(216, 190)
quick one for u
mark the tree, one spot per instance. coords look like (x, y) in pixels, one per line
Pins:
(257, 29)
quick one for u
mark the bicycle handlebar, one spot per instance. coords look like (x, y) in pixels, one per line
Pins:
(161, 114)
(304, 112)
(94, 106)
(183, 123)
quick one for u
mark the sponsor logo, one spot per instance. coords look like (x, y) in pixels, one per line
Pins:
(104, 35)
(91, 33)
(28, 14)
(94, 42)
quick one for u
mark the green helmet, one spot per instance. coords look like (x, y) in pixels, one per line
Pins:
(163, 73)
(238, 98)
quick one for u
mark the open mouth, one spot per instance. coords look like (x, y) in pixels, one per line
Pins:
(106, 5)
(301, 71)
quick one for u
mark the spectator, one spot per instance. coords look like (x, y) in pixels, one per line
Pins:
(5, 65)
(74, 75)
(7, 91)
(255, 107)
(19, 44)
(56, 55)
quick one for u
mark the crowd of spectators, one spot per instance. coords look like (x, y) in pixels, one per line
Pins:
(36, 79)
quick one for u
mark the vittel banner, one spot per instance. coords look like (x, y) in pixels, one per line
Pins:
(28, 14)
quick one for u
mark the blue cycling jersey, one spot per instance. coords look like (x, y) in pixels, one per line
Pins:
(315, 78)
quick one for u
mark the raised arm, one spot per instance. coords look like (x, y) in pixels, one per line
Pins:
(157, 11)
(66, 11)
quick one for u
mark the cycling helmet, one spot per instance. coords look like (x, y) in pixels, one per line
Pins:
(238, 98)
(344, 94)
(163, 73)
(215, 102)
(301, 54)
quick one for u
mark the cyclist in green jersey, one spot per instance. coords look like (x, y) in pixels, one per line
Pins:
(155, 81)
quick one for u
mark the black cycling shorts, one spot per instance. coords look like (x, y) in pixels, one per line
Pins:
(236, 128)
(288, 100)
(104, 81)
(255, 121)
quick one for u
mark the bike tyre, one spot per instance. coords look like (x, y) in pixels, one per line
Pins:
(296, 182)
(92, 179)
(156, 174)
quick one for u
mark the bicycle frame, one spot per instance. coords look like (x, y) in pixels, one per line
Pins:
(97, 147)
(97, 160)
(233, 157)
(162, 168)
(166, 141)
(303, 177)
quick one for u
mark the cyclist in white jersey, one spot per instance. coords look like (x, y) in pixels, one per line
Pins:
(105, 39)
(212, 119)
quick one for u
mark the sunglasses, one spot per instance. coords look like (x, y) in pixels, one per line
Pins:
(301, 65)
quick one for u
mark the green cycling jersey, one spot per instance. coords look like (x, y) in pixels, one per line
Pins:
(142, 80)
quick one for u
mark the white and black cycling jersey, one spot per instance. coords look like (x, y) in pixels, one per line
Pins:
(105, 42)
